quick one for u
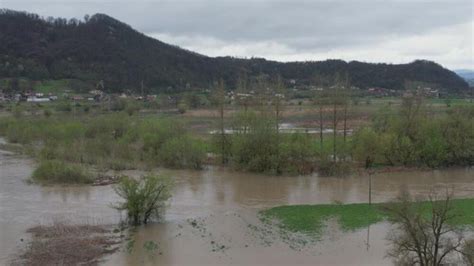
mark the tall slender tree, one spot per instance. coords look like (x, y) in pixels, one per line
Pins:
(277, 103)
(345, 99)
(335, 102)
(220, 94)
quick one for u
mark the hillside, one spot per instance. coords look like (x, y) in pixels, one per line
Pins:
(102, 48)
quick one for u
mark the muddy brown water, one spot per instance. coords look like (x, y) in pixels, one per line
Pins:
(212, 217)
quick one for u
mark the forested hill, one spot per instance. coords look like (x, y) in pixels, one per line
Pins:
(102, 48)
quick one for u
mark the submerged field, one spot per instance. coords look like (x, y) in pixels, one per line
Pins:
(210, 209)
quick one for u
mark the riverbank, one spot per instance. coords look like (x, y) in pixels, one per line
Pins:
(311, 219)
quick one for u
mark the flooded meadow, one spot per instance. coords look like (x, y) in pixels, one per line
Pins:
(212, 218)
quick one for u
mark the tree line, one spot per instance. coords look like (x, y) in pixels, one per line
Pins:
(410, 135)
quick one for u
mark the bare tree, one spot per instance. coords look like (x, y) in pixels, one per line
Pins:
(423, 234)
(345, 99)
(220, 95)
(336, 101)
(319, 102)
(242, 95)
(277, 103)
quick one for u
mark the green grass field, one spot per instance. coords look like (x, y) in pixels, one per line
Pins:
(310, 219)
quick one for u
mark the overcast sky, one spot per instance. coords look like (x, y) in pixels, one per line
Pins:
(393, 31)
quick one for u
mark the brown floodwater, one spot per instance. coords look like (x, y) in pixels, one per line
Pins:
(212, 217)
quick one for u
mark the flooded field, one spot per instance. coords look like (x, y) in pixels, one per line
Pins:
(212, 217)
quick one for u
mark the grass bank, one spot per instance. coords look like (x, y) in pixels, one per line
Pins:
(310, 219)
(58, 172)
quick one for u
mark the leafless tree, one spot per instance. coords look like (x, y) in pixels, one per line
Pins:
(423, 235)
(345, 100)
(277, 103)
(220, 95)
(319, 101)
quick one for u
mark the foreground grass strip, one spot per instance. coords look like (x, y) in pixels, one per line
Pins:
(310, 219)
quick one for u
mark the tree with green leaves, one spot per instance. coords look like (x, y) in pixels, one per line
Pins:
(143, 198)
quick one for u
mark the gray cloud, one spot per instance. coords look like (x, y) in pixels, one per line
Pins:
(301, 26)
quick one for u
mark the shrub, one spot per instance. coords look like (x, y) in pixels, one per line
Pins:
(296, 154)
(118, 104)
(365, 146)
(331, 168)
(144, 198)
(59, 172)
(47, 112)
(182, 108)
(132, 108)
(255, 149)
(183, 152)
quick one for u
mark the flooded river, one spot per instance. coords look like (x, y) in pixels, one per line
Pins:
(212, 217)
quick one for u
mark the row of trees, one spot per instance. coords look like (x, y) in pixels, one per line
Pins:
(255, 140)
(414, 136)
(409, 135)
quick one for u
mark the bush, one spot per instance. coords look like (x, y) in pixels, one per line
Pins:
(144, 198)
(61, 173)
(183, 152)
(331, 168)
(297, 153)
(365, 146)
(256, 148)
(182, 108)
(47, 112)
(118, 104)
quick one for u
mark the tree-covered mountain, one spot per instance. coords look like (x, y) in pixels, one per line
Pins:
(100, 48)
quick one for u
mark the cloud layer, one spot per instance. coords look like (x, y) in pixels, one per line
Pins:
(367, 30)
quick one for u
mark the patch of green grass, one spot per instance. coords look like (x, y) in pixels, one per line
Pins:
(310, 219)
(58, 172)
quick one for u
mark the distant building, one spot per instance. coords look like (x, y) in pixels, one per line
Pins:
(77, 98)
(34, 99)
(96, 92)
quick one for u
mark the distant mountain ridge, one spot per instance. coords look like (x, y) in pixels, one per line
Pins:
(101, 48)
